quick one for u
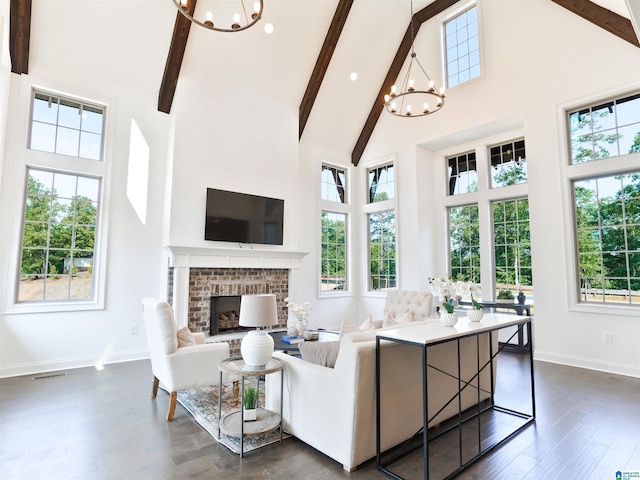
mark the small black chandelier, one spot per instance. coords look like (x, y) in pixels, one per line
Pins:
(238, 19)
(411, 100)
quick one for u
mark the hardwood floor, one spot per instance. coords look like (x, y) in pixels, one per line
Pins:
(89, 424)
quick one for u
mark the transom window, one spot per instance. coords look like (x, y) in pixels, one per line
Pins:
(464, 243)
(508, 164)
(463, 173)
(58, 237)
(606, 130)
(66, 126)
(381, 183)
(607, 216)
(462, 47)
(333, 184)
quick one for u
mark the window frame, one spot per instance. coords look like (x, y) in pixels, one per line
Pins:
(583, 171)
(337, 207)
(445, 58)
(375, 207)
(28, 158)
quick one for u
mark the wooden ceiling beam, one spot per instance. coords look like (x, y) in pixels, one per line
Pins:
(603, 18)
(322, 63)
(418, 19)
(19, 35)
(174, 59)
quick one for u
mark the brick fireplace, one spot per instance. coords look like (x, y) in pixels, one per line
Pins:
(197, 274)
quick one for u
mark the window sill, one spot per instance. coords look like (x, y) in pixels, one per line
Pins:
(606, 309)
(53, 307)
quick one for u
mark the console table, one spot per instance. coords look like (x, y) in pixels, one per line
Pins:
(434, 333)
(267, 421)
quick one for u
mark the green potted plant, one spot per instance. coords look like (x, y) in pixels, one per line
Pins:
(475, 314)
(250, 400)
(505, 294)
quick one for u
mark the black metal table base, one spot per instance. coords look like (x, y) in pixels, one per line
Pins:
(425, 436)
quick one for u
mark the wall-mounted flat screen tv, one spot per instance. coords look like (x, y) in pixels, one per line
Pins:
(243, 218)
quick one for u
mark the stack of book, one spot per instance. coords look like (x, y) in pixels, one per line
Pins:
(292, 340)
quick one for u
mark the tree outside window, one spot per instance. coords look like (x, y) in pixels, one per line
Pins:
(512, 246)
(334, 251)
(607, 215)
(382, 250)
(464, 243)
(58, 240)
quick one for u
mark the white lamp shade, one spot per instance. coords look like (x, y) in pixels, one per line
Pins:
(258, 310)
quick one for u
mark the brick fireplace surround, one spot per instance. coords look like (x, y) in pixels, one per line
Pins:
(197, 274)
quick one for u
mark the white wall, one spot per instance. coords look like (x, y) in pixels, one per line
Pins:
(35, 342)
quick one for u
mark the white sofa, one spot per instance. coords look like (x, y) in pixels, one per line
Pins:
(333, 409)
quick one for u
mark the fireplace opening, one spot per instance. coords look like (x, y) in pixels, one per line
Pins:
(225, 315)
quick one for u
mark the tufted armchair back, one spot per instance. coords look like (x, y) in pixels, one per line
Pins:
(418, 302)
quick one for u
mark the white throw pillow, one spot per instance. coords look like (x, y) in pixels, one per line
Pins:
(367, 325)
(347, 327)
(391, 319)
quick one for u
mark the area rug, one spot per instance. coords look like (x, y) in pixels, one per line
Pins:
(202, 403)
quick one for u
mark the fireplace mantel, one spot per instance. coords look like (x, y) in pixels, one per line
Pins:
(245, 257)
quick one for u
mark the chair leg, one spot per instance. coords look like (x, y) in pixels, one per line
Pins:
(172, 405)
(154, 388)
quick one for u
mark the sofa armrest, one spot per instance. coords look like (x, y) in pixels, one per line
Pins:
(194, 366)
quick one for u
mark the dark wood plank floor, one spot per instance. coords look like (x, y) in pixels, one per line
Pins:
(89, 424)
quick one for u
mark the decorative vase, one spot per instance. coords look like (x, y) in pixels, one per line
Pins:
(474, 315)
(521, 297)
(448, 319)
(301, 327)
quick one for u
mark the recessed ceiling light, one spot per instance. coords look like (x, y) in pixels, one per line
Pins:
(353, 76)
(268, 28)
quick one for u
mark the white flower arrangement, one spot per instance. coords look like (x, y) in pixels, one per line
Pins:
(300, 311)
(449, 291)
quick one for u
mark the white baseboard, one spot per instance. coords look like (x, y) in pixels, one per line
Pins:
(589, 363)
(66, 363)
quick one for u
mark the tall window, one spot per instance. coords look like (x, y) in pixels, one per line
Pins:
(464, 243)
(508, 164)
(66, 126)
(334, 220)
(381, 219)
(606, 130)
(59, 243)
(463, 173)
(607, 216)
(462, 47)
(58, 237)
(512, 245)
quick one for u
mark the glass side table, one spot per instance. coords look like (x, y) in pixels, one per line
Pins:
(266, 421)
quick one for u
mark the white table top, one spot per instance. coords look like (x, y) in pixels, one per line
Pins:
(433, 331)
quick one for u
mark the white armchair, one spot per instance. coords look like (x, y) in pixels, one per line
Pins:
(178, 368)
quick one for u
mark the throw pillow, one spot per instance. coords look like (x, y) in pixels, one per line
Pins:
(347, 327)
(367, 325)
(391, 319)
(185, 337)
(321, 353)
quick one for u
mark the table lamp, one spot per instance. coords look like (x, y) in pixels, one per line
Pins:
(257, 311)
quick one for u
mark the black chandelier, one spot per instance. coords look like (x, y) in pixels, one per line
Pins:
(413, 100)
(229, 17)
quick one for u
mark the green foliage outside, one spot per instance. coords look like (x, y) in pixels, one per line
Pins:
(464, 243)
(382, 250)
(56, 230)
(334, 253)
